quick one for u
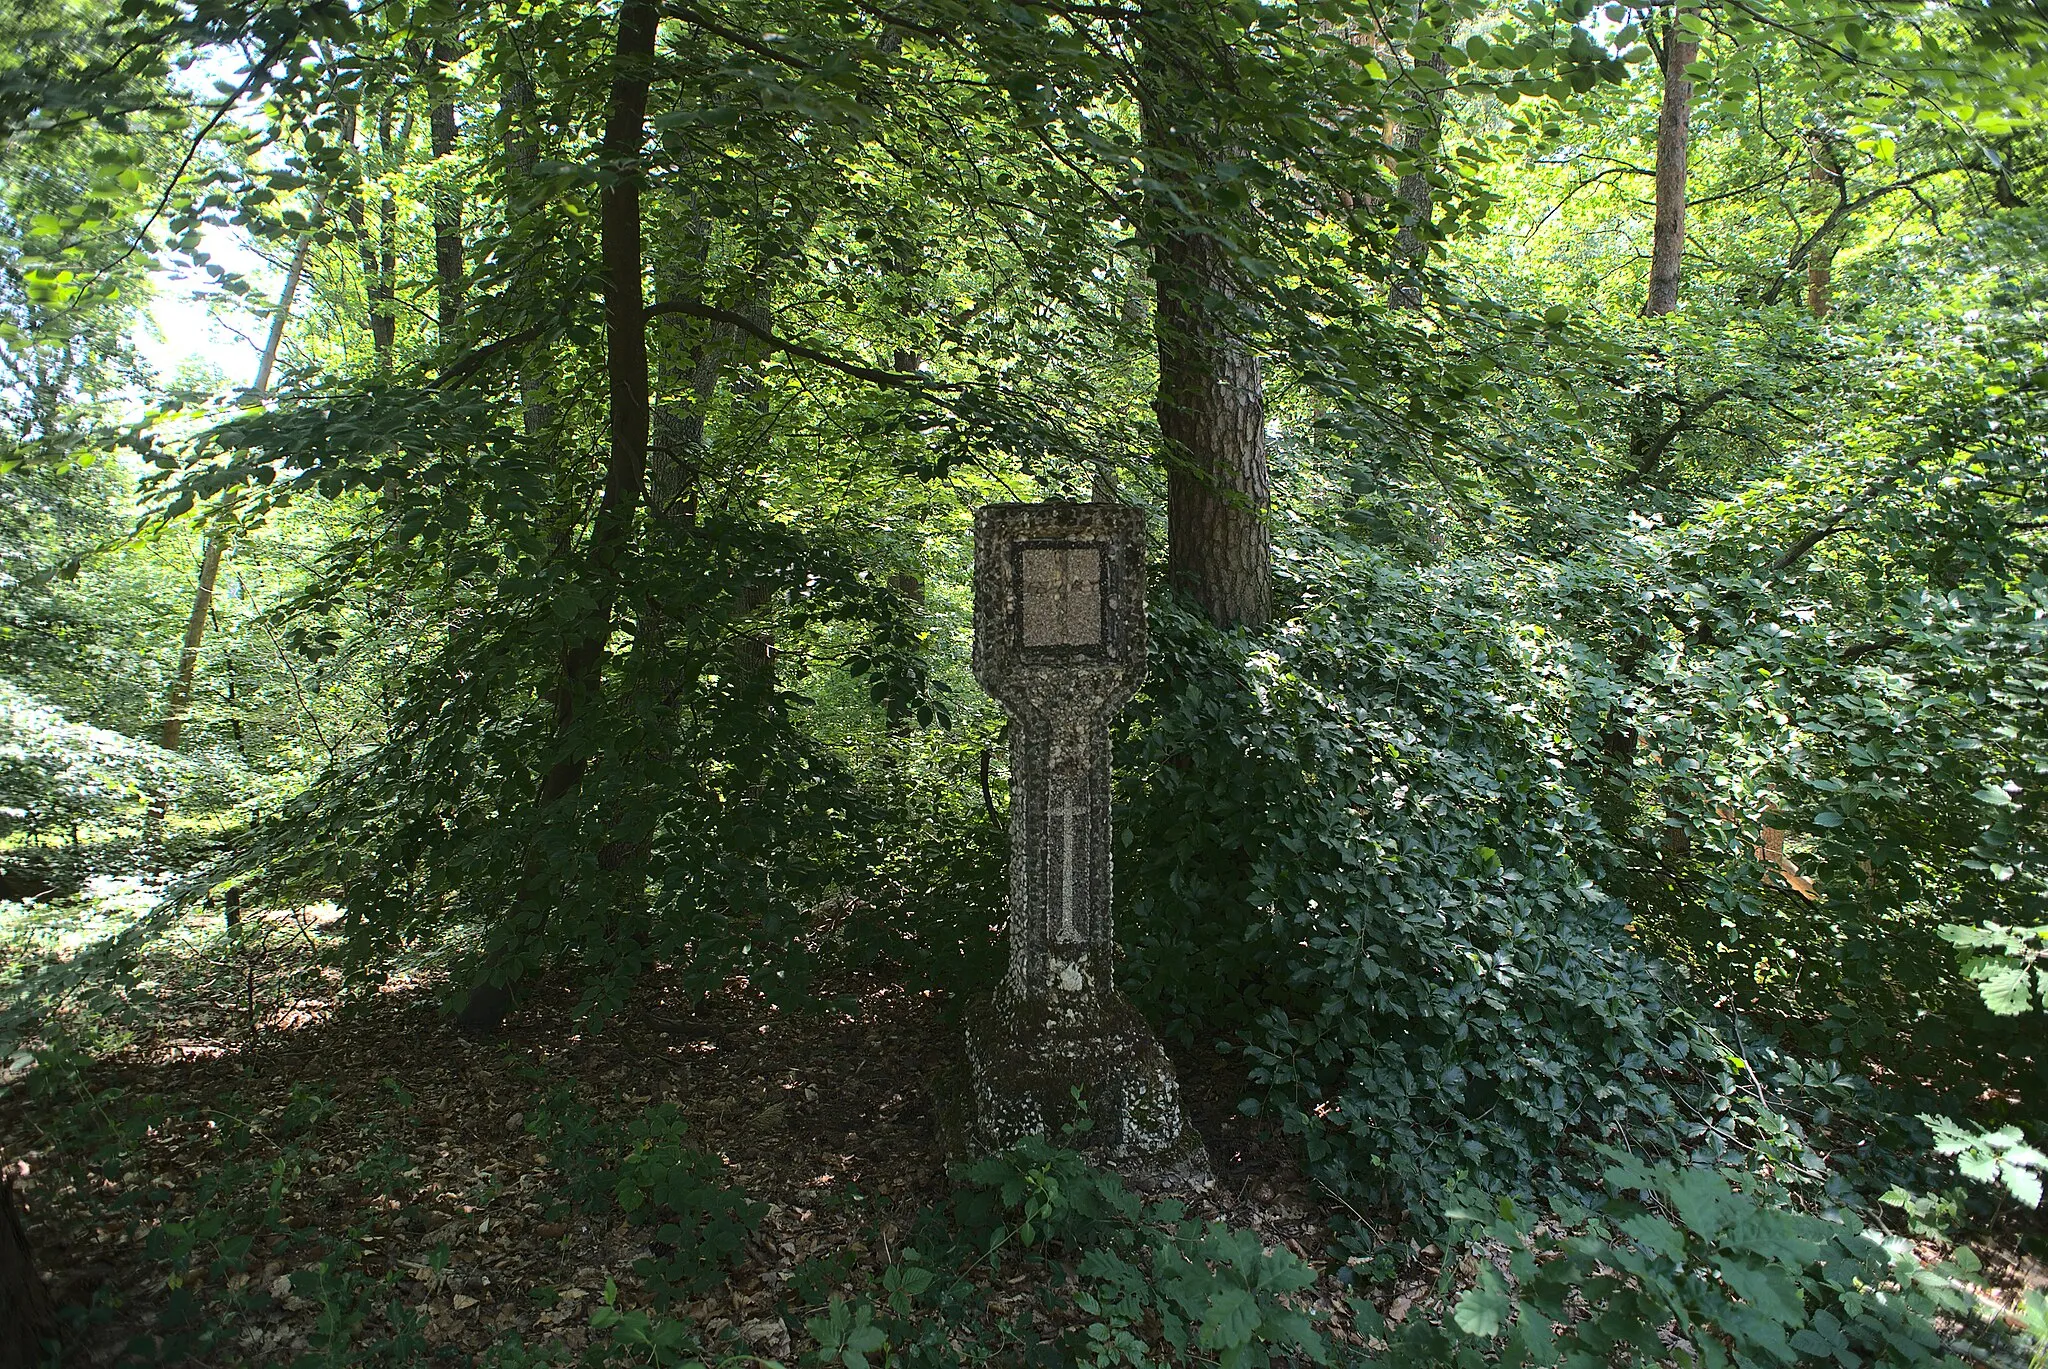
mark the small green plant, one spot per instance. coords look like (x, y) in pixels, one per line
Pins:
(700, 1226)
(1037, 1193)
(641, 1338)
(813, 1280)
(2033, 1319)
(847, 1333)
(1929, 1216)
(2007, 964)
(645, 1170)
(1152, 1285)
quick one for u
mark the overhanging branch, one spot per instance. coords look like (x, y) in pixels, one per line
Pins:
(874, 375)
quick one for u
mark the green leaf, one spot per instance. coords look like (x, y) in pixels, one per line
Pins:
(1483, 1311)
(2006, 992)
(1230, 1319)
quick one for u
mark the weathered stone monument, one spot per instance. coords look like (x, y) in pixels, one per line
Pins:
(1059, 640)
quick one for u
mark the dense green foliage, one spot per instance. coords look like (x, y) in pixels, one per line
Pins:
(1432, 972)
(1729, 1275)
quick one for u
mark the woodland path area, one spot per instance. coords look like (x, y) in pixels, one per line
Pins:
(386, 1124)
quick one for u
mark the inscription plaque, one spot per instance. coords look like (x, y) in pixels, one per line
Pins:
(1060, 589)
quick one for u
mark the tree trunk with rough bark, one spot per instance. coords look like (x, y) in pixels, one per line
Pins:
(442, 130)
(27, 1319)
(382, 323)
(522, 156)
(380, 255)
(687, 359)
(1418, 139)
(1824, 174)
(1211, 397)
(1674, 129)
(1212, 420)
(581, 673)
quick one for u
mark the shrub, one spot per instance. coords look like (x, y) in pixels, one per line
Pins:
(1678, 1265)
(1149, 1286)
(1354, 846)
(55, 772)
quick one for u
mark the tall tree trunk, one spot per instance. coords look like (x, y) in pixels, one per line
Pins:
(383, 326)
(1211, 398)
(384, 313)
(1212, 420)
(522, 156)
(442, 130)
(1824, 174)
(687, 365)
(1674, 129)
(582, 668)
(1418, 139)
(195, 636)
(378, 251)
(216, 542)
(1411, 248)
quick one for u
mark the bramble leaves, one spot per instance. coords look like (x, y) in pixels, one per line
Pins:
(2000, 1157)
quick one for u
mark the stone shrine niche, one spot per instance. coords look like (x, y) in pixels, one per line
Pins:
(1062, 595)
(1059, 639)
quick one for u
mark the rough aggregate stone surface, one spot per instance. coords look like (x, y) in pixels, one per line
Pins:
(1059, 640)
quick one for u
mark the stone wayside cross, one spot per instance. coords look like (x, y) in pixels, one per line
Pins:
(1059, 640)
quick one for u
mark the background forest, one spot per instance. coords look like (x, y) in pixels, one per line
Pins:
(493, 805)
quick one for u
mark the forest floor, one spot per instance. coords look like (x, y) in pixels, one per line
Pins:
(272, 1167)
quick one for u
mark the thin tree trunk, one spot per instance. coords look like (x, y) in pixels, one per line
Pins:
(384, 286)
(195, 634)
(687, 363)
(267, 363)
(357, 213)
(1211, 397)
(448, 272)
(522, 156)
(1674, 129)
(216, 542)
(1411, 245)
(582, 668)
(1824, 173)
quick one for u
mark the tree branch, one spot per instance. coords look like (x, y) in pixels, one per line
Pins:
(256, 70)
(872, 374)
(1834, 524)
(690, 14)
(483, 356)
(1847, 207)
(475, 360)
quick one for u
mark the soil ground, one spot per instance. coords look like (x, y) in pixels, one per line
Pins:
(828, 1118)
(370, 1121)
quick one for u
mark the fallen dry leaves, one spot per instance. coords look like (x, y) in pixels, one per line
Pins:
(386, 1127)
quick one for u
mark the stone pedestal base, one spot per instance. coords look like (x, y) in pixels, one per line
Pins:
(1026, 1056)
